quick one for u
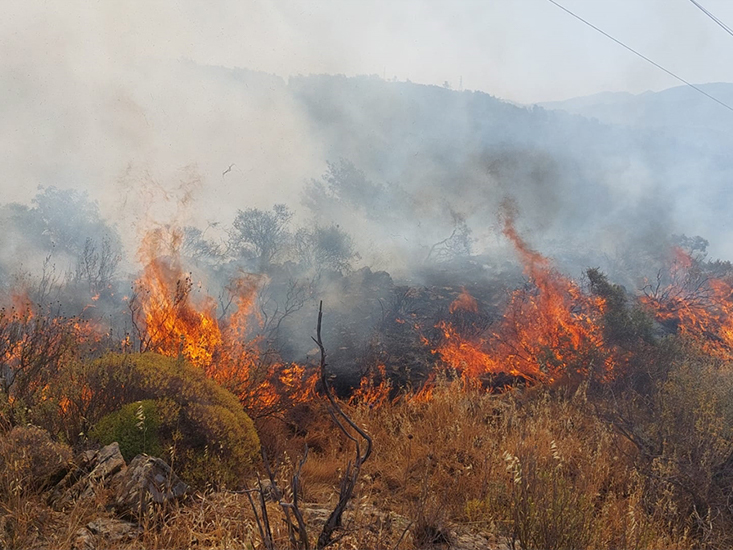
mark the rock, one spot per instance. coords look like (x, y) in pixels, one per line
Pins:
(147, 480)
(92, 470)
(104, 533)
(107, 463)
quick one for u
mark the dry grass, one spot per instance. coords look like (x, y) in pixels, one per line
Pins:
(545, 472)
(541, 470)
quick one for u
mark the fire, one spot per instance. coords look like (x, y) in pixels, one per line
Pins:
(34, 343)
(694, 304)
(171, 323)
(468, 357)
(173, 320)
(464, 302)
(242, 290)
(550, 329)
(374, 390)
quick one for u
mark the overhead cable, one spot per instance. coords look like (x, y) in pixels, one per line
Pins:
(645, 58)
(702, 8)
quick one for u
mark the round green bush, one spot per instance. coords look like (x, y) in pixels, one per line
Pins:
(189, 420)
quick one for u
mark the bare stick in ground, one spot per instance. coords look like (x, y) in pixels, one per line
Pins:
(301, 542)
(342, 420)
(295, 484)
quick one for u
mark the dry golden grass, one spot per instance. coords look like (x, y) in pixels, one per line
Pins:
(543, 470)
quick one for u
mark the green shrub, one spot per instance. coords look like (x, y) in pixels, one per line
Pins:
(136, 427)
(195, 422)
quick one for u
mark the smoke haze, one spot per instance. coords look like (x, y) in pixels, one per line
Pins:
(182, 114)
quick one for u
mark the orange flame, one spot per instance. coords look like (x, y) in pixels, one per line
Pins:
(174, 321)
(695, 304)
(374, 390)
(174, 324)
(464, 302)
(549, 329)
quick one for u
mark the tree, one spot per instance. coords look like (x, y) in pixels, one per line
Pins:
(344, 183)
(328, 248)
(197, 247)
(696, 247)
(68, 218)
(456, 245)
(96, 265)
(261, 235)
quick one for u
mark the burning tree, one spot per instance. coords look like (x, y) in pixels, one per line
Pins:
(686, 298)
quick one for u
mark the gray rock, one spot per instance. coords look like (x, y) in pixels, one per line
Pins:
(92, 470)
(107, 463)
(147, 481)
(105, 532)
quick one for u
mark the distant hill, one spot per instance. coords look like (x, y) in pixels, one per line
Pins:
(680, 108)
(605, 173)
(595, 169)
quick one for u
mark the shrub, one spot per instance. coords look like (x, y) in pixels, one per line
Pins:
(547, 510)
(136, 427)
(537, 467)
(684, 431)
(191, 415)
(30, 460)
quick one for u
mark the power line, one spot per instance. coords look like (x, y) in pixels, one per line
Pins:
(645, 58)
(702, 8)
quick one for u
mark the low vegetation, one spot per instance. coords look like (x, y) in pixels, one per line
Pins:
(537, 467)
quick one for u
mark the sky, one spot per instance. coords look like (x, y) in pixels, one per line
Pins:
(521, 50)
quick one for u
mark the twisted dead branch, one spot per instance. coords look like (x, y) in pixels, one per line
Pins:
(342, 420)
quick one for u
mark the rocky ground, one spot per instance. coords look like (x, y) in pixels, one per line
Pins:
(141, 503)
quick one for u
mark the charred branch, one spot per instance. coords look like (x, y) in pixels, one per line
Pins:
(298, 534)
(342, 420)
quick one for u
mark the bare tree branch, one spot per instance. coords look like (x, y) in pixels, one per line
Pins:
(351, 474)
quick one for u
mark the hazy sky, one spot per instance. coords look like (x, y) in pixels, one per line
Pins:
(523, 50)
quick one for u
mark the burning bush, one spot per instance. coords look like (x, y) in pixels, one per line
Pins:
(33, 347)
(550, 330)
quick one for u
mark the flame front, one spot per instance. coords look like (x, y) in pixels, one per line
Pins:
(550, 328)
(695, 304)
(172, 319)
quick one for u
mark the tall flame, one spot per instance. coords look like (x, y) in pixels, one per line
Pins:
(174, 320)
(549, 329)
(694, 303)
(174, 323)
